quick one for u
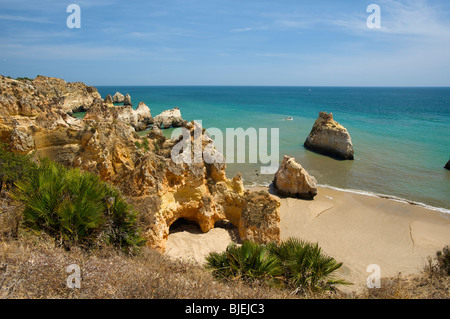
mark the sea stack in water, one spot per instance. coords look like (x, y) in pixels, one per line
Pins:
(328, 137)
(169, 118)
(447, 166)
(127, 100)
(118, 97)
(293, 180)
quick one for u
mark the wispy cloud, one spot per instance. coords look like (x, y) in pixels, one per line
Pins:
(399, 17)
(414, 17)
(24, 19)
(247, 29)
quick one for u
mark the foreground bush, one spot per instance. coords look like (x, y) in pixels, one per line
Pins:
(440, 266)
(75, 207)
(13, 167)
(294, 264)
(248, 261)
(306, 267)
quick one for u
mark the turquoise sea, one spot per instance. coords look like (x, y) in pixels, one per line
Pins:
(401, 136)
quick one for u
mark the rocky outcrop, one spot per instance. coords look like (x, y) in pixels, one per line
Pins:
(104, 142)
(29, 97)
(169, 118)
(127, 100)
(140, 118)
(108, 100)
(328, 137)
(447, 166)
(144, 116)
(293, 180)
(201, 193)
(118, 98)
(69, 97)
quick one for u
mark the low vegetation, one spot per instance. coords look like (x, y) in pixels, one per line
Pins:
(293, 264)
(144, 145)
(13, 167)
(73, 207)
(433, 282)
(76, 208)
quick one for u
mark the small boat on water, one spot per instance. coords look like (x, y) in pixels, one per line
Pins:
(289, 118)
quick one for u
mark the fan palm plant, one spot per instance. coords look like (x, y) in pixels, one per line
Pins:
(301, 265)
(76, 207)
(248, 261)
(306, 267)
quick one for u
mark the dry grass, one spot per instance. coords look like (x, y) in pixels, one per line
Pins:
(9, 217)
(432, 283)
(32, 266)
(420, 286)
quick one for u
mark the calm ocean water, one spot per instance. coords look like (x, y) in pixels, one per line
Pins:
(401, 136)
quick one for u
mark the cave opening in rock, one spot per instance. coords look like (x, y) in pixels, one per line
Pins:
(190, 226)
(183, 224)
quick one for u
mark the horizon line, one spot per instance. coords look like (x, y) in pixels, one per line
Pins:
(280, 86)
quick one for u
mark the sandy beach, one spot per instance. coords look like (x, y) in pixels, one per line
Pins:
(356, 229)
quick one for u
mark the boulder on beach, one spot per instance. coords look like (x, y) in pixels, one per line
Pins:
(328, 137)
(169, 118)
(293, 180)
(447, 166)
(118, 98)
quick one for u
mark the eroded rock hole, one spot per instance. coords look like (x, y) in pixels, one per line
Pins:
(183, 224)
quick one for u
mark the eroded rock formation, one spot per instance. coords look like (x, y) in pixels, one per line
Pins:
(328, 137)
(109, 100)
(140, 118)
(118, 98)
(169, 118)
(28, 97)
(293, 180)
(70, 97)
(104, 142)
(127, 100)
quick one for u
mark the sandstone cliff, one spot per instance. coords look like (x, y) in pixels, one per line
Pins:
(140, 118)
(105, 142)
(27, 97)
(70, 97)
(328, 137)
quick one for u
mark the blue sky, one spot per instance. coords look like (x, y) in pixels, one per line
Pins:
(228, 42)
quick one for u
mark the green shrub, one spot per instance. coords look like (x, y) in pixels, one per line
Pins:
(440, 266)
(145, 144)
(294, 264)
(75, 207)
(24, 79)
(306, 267)
(13, 167)
(443, 260)
(249, 261)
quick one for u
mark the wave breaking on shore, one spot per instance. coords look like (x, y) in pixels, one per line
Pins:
(390, 197)
(367, 193)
